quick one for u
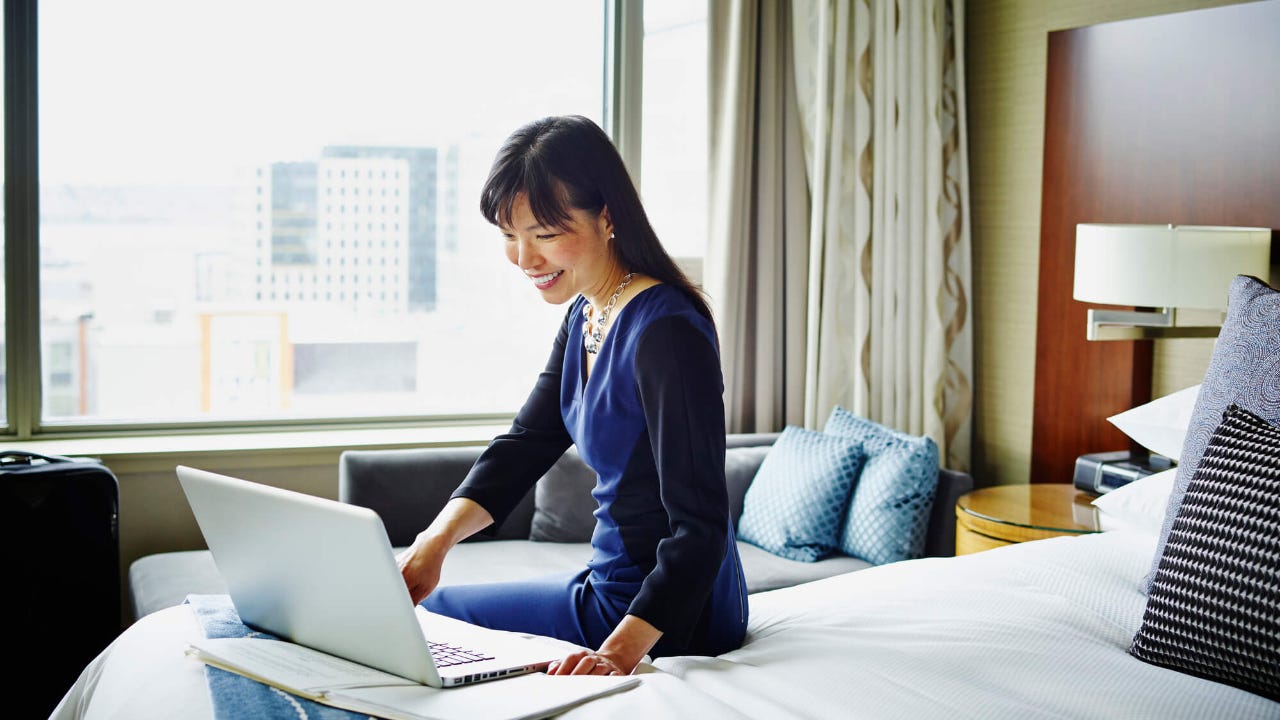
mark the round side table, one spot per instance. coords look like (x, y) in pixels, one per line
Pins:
(1007, 514)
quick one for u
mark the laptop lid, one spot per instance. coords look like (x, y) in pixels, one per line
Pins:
(322, 573)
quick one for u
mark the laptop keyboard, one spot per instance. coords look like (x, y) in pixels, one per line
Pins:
(446, 655)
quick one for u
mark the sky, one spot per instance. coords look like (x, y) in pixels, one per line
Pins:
(176, 92)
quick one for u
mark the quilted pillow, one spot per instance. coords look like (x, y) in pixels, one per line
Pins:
(1212, 609)
(795, 504)
(889, 512)
(1244, 370)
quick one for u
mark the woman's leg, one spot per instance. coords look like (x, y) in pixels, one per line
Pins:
(559, 606)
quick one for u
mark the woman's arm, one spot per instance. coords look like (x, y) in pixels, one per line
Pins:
(500, 477)
(680, 388)
(420, 563)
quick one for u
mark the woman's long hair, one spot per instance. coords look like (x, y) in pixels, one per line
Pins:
(568, 161)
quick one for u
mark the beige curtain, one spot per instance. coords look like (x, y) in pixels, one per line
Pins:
(871, 310)
(756, 269)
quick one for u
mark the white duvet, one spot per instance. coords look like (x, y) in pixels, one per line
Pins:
(1036, 630)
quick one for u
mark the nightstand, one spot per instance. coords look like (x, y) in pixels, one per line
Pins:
(1008, 514)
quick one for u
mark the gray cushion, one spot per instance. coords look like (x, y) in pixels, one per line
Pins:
(562, 502)
(1244, 370)
(766, 571)
(165, 579)
(563, 506)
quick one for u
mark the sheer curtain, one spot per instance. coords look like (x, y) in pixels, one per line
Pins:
(757, 252)
(878, 86)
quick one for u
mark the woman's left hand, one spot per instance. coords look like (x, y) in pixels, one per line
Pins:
(621, 652)
(587, 662)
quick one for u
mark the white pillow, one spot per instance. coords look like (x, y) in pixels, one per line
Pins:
(1139, 505)
(1161, 425)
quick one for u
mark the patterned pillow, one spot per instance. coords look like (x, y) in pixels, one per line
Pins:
(1244, 370)
(797, 500)
(889, 513)
(1212, 610)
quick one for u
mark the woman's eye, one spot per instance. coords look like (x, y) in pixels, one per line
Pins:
(548, 237)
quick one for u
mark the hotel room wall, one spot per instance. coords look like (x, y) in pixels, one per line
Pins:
(1006, 61)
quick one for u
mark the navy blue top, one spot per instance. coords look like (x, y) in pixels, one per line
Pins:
(650, 421)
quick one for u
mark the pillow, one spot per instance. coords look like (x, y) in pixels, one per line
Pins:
(1212, 610)
(563, 508)
(889, 512)
(1244, 370)
(1161, 424)
(1138, 505)
(798, 498)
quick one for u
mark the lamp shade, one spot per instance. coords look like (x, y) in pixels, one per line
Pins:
(1166, 266)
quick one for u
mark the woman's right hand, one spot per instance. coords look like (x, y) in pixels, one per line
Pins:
(420, 565)
(421, 562)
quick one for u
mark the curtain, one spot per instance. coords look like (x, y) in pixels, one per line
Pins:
(756, 274)
(884, 290)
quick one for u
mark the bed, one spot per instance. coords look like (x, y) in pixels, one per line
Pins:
(1041, 629)
(1036, 630)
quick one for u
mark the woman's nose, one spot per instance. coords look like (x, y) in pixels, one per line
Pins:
(526, 256)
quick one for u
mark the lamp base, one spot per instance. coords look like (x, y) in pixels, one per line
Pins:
(1142, 325)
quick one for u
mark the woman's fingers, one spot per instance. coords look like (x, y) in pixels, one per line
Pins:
(584, 663)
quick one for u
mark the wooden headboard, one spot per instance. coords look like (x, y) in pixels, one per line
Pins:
(1167, 119)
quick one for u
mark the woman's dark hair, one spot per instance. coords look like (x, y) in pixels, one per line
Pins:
(568, 161)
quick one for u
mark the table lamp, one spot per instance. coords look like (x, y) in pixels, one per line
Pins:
(1166, 267)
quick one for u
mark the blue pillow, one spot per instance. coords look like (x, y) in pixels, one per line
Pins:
(1244, 371)
(889, 512)
(796, 503)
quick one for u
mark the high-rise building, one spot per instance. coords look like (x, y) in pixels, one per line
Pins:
(356, 228)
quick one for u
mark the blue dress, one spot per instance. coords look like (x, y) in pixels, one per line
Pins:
(650, 421)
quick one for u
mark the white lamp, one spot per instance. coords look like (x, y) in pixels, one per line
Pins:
(1165, 267)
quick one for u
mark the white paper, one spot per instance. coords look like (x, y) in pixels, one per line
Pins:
(345, 684)
(292, 666)
(522, 697)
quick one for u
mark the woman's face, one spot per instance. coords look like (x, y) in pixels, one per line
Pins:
(562, 262)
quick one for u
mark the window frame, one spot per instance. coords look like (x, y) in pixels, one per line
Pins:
(622, 85)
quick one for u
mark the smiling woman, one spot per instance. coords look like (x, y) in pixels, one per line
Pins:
(639, 395)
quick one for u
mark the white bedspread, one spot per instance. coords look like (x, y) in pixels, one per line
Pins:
(1037, 630)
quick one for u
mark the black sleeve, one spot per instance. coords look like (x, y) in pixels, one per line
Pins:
(515, 460)
(681, 390)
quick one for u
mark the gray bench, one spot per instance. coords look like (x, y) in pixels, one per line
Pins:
(548, 532)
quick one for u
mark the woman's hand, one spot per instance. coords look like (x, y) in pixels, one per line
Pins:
(621, 652)
(587, 662)
(420, 566)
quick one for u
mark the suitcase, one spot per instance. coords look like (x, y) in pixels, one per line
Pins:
(61, 560)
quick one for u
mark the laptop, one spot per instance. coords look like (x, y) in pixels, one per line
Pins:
(322, 573)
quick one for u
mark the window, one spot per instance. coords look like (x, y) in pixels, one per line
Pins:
(193, 210)
(673, 158)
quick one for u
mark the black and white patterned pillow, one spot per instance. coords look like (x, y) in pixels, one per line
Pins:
(1214, 607)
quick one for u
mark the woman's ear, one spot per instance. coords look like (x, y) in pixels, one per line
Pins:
(606, 222)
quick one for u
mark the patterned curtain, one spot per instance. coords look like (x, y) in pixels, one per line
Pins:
(880, 88)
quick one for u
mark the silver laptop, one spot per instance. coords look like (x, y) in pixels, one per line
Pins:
(322, 573)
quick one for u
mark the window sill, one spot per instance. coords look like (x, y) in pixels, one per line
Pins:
(254, 449)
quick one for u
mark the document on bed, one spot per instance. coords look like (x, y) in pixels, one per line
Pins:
(344, 684)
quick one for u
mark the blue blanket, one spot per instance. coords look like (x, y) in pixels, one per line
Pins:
(236, 697)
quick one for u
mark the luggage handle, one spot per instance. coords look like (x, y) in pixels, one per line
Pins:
(21, 457)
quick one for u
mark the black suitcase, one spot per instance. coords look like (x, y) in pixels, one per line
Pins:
(61, 558)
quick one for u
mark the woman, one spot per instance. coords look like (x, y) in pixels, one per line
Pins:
(634, 381)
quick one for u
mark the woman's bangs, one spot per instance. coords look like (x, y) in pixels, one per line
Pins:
(548, 201)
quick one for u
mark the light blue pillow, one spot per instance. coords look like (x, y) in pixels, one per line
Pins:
(889, 512)
(796, 504)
